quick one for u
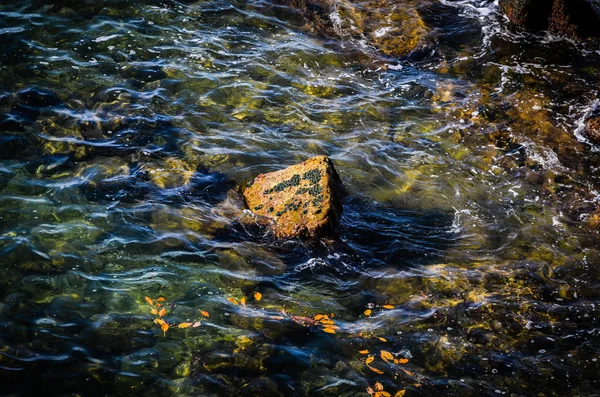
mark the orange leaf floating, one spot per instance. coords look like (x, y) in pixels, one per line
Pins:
(233, 300)
(196, 324)
(382, 339)
(388, 307)
(161, 299)
(377, 371)
(329, 330)
(150, 301)
(400, 393)
(162, 312)
(378, 386)
(243, 300)
(184, 325)
(368, 312)
(257, 296)
(385, 355)
(363, 351)
(403, 360)
(154, 311)
(382, 393)
(369, 359)
(204, 313)
(164, 328)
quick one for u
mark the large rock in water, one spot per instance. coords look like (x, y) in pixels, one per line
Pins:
(301, 200)
(576, 19)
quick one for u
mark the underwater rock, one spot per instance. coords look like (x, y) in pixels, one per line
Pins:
(592, 129)
(171, 173)
(394, 28)
(576, 19)
(301, 200)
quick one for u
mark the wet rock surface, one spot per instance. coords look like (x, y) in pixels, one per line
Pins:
(577, 19)
(592, 129)
(301, 200)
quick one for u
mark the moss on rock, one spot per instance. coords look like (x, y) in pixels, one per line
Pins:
(301, 200)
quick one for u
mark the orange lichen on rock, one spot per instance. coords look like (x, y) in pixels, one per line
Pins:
(301, 200)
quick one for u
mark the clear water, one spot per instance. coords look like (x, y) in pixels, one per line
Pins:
(471, 207)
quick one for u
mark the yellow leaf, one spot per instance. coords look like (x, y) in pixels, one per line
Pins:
(377, 371)
(196, 324)
(369, 359)
(385, 355)
(184, 325)
(162, 312)
(257, 296)
(368, 312)
(403, 360)
(204, 313)
(243, 300)
(363, 351)
(233, 300)
(319, 317)
(382, 394)
(387, 306)
(400, 393)
(164, 328)
(326, 321)
(329, 330)
(161, 299)
(382, 339)
(150, 301)
(378, 386)
(159, 321)
(154, 311)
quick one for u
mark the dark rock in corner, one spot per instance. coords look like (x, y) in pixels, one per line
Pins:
(575, 19)
(301, 200)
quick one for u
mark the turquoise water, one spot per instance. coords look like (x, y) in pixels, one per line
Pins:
(470, 228)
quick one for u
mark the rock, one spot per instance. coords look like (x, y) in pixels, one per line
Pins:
(576, 19)
(394, 28)
(301, 200)
(592, 129)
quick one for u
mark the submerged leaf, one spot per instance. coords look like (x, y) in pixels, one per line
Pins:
(243, 300)
(164, 328)
(150, 301)
(196, 324)
(184, 325)
(368, 312)
(385, 355)
(377, 371)
(403, 360)
(382, 393)
(257, 296)
(319, 317)
(387, 306)
(161, 299)
(154, 311)
(382, 339)
(162, 312)
(233, 300)
(329, 330)
(204, 313)
(369, 359)
(370, 390)
(159, 321)
(363, 351)
(400, 393)
(378, 386)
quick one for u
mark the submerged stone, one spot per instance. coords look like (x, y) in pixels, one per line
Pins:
(301, 200)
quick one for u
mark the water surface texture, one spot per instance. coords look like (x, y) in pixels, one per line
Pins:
(470, 226)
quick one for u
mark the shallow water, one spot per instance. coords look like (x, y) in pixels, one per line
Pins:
(469, 215)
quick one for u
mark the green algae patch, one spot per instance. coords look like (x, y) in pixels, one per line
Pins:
(302, 200)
